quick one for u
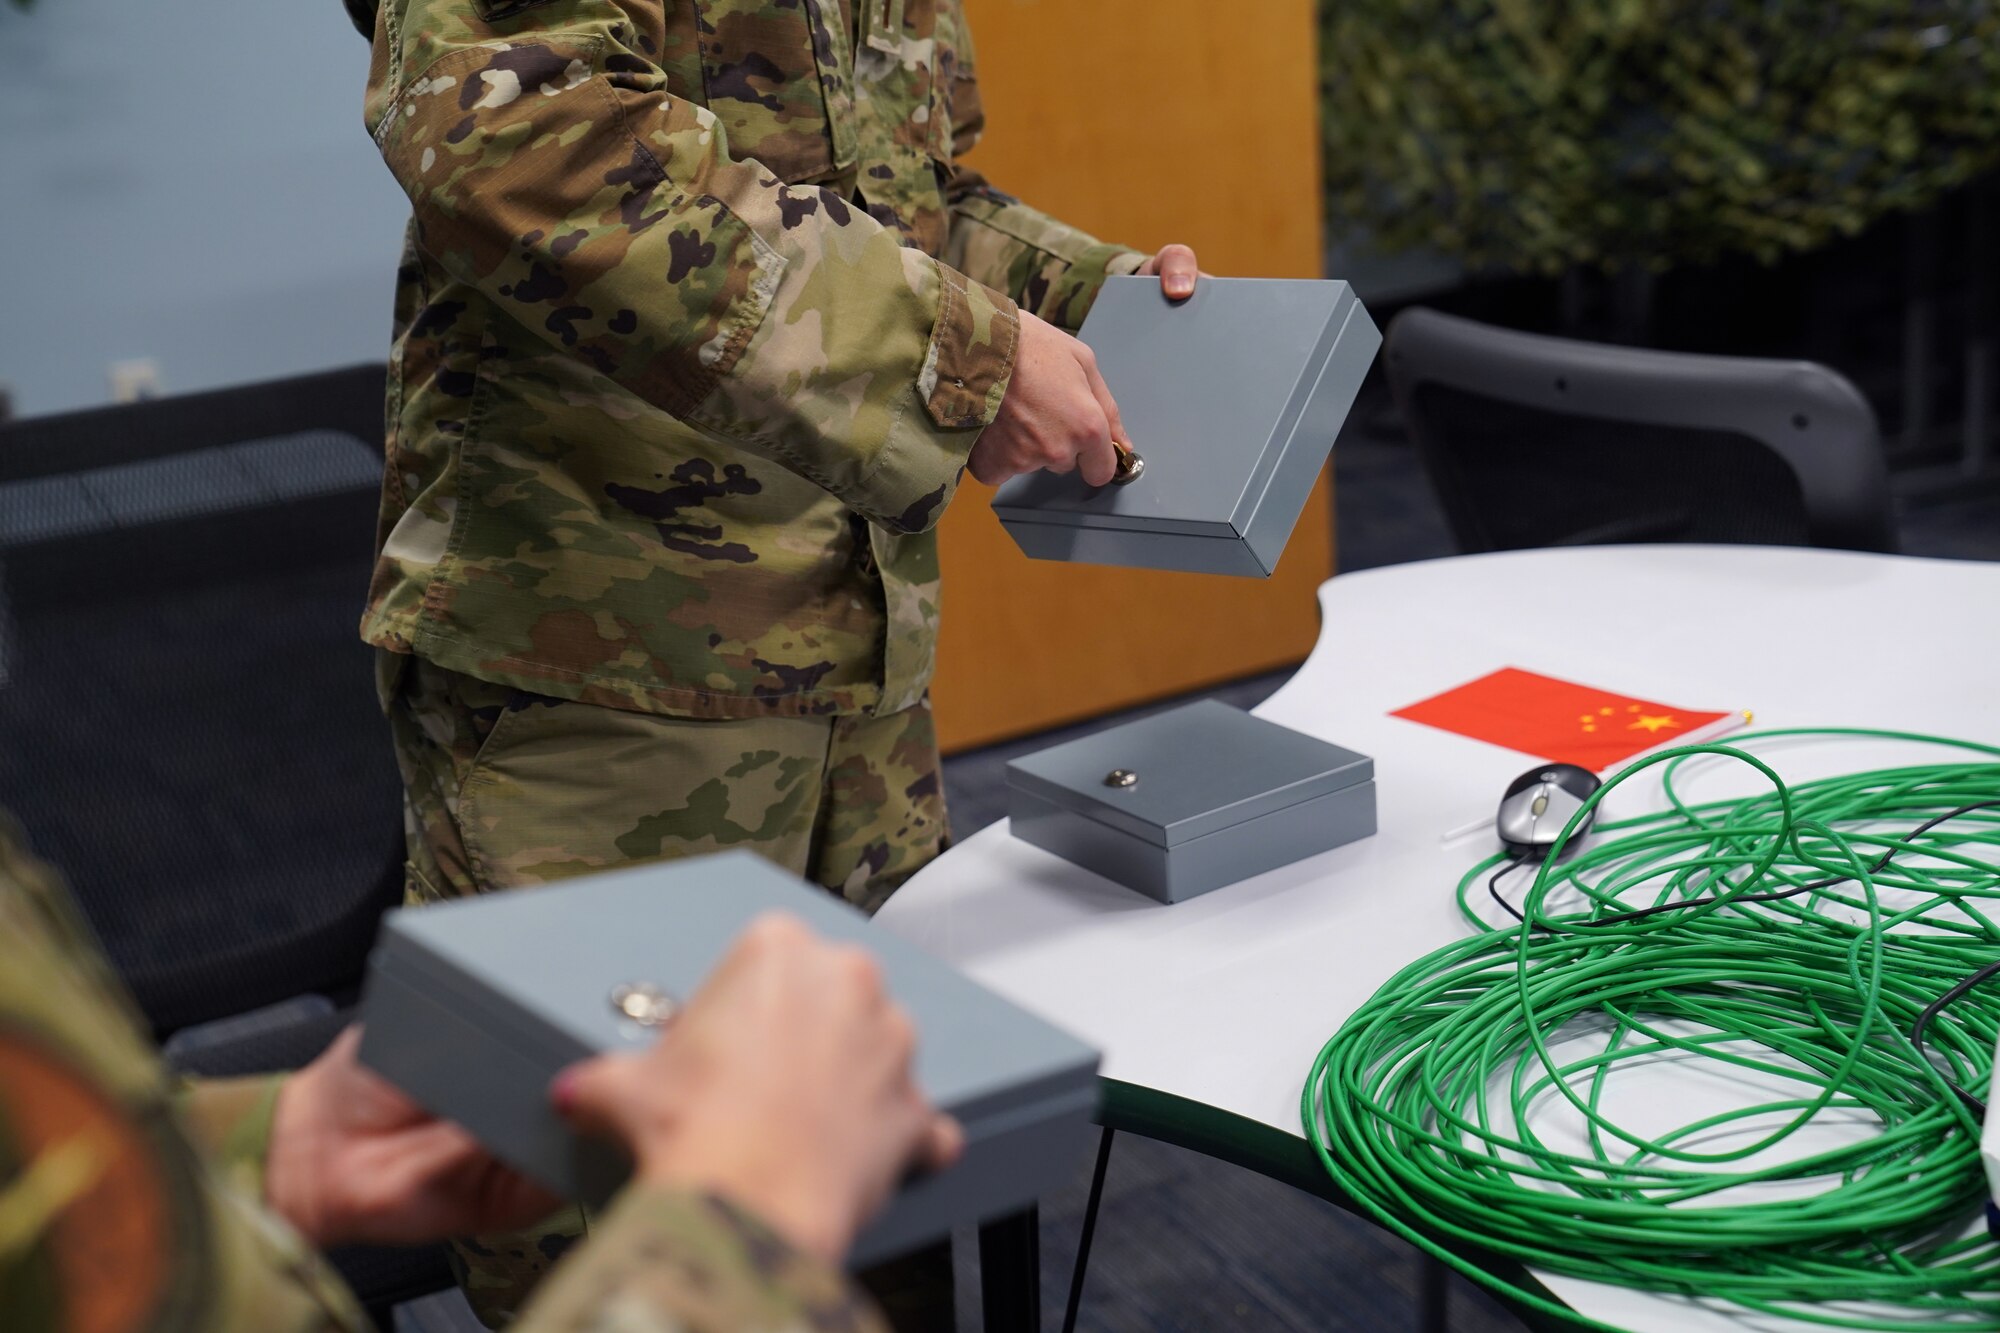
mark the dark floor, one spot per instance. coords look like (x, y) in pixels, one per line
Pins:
(1188, 1243)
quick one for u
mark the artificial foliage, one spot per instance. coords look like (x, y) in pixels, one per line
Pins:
(1542, 134)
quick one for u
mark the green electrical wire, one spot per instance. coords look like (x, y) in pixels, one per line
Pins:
(1809, 933)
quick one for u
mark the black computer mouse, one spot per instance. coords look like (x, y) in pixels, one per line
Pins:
(1537, 806)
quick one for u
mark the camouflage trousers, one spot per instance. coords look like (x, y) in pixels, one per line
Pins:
(504, 789)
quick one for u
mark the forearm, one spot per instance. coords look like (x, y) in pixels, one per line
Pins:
(661, 1259)
(1047, 266)
(559, 177)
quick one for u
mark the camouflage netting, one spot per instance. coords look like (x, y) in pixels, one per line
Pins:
(1539, 134)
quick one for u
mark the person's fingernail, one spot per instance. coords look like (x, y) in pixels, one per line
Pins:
(563, 1091)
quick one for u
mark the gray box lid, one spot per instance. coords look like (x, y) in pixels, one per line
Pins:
(1201, 768)
(540, 965)
(1212, 391)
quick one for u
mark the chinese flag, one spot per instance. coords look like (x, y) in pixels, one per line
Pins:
(1556, 720)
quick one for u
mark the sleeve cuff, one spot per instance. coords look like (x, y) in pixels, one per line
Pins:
(229, 1121)
(697, 1263)
(966, 372)
(971, 357)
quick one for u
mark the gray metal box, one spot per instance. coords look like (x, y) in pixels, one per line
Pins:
(1214, 796)
(1233, 398)
(472, 1007)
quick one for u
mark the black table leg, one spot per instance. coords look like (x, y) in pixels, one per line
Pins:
(1089, 1230)
(1433, 1294)
(1010, 1273)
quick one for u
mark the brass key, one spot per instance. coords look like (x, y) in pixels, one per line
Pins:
(1131, 467)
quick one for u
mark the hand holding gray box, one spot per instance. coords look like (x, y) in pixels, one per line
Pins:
(1233, 398)
(474, 1006)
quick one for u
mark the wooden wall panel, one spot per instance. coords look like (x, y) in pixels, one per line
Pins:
(1146, 122)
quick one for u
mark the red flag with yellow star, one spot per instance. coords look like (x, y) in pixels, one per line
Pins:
(1557, 720)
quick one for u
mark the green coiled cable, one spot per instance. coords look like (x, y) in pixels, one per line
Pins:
(1810, 934)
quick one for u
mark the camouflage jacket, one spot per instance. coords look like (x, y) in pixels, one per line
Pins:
(131, 1205)
(696, 324)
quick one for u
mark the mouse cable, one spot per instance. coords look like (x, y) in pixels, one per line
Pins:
(1938, 1006)
(1507, 868)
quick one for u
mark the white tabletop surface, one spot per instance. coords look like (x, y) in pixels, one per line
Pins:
(1226, 999)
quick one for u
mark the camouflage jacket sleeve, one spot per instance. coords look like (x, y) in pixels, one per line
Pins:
(1048, 267)
(682, 1263)
(550, 165)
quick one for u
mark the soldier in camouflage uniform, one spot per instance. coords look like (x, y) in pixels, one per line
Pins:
(698, 326)
(129, 1204)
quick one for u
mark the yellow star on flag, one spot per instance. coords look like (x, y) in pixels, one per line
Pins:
(1653, 722)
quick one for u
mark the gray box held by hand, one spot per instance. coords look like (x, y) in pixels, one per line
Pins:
(1232, 397)
(472, 1007)
(1190, 800)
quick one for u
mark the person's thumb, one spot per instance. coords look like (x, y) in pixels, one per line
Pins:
(600, 1097)
(942, 1144)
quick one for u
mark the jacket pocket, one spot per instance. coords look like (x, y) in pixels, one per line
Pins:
(773, 75)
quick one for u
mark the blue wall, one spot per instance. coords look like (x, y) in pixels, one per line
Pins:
(186, 180)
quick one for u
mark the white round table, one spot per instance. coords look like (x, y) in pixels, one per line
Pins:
(1210, 1012)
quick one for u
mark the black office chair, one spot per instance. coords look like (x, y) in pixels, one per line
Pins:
(1538, 441)
(188, 726)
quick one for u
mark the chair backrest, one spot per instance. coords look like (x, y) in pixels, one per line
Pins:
(1539, 441)
(188, 726)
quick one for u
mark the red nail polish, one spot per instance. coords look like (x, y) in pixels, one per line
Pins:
(563, 1091)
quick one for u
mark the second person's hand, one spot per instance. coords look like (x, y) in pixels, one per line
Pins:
(783, 1086)
(1058, 416)
(352, 1160)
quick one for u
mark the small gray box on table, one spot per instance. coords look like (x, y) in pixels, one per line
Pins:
(1189, 800)
(1233, 398)
(472, 1007)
